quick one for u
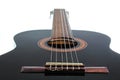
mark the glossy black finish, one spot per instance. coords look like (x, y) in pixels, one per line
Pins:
(28, 53)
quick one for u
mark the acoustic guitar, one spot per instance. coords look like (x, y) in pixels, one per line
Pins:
(60, 54)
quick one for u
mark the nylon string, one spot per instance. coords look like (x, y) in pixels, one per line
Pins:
(71, 54)
(66, 55)
(76, 55)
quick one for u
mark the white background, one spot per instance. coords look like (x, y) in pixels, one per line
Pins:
(93, 15)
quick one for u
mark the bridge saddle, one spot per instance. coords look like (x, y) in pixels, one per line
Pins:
(64, 68)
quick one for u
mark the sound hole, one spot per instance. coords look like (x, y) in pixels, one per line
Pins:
(46, 43)
(62, 42)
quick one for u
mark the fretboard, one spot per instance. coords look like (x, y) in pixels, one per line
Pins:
(61, 28)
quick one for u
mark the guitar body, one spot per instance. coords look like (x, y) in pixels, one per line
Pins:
(28, 53)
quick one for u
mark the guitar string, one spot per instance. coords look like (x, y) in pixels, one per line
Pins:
(76, 55)
(67, 34)
(56, 43)
(51, 55)
(61, 52)
(66, 55)
(61, 48)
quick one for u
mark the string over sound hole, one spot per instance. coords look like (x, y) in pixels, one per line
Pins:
(62, 42)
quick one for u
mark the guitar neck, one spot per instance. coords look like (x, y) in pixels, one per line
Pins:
(61, 28)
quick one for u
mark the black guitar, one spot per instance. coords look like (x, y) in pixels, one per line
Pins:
(60, 54)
